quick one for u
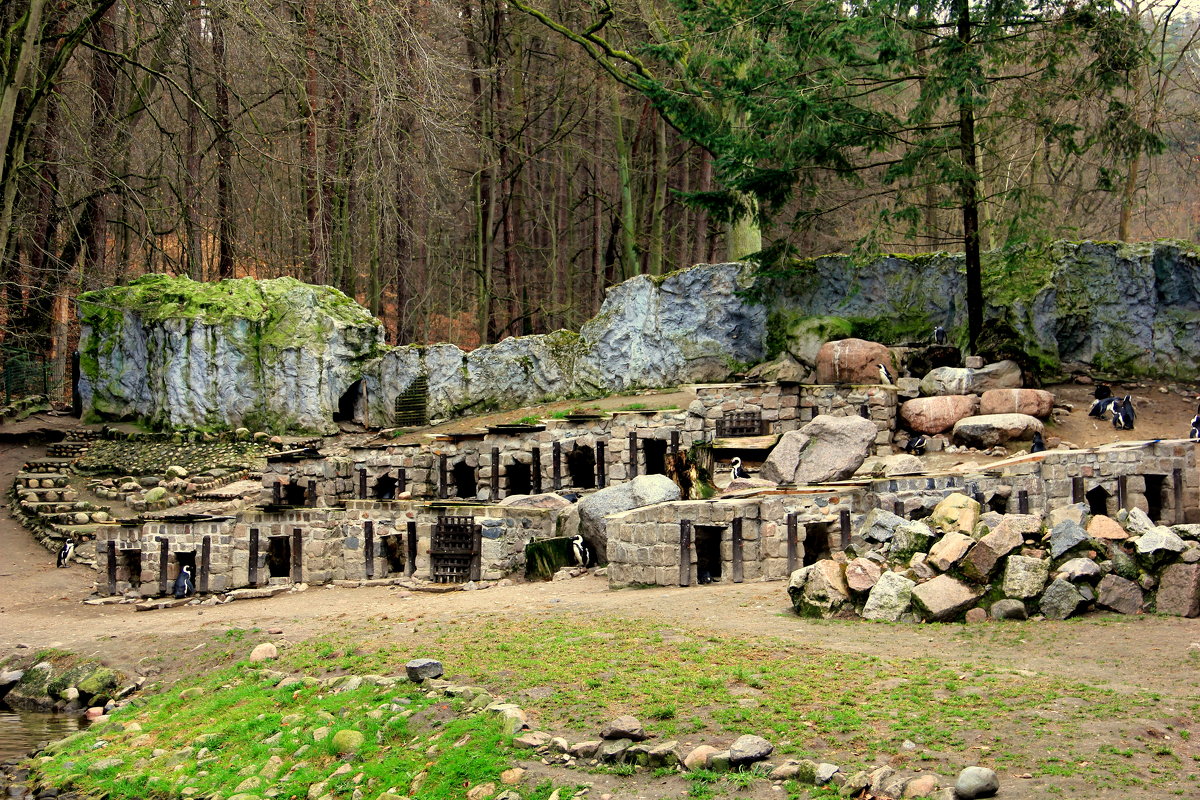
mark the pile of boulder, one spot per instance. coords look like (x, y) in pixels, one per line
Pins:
(959, 564)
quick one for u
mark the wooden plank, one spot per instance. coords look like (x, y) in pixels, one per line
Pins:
(633, 455)
(674, 443)
(112, 567)
(844, 524)
(477, 554)
(410, 557)
(536, 468)
(164, 562)
(793, 543)
(556, 455)
(1122, 491)
(685, 552)
(362, 484)
(443, 491)
(737, 550)
(1077, 493)
(297, 555)
(495, 474)
(1022, 501)
(205, 564)
(252, 576)
(369, 547)
(764, 442)
(1177, 487)
(401, 481)
(601, 466)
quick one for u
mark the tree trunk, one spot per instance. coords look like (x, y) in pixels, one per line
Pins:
(224, 151)
(628, 219)
(968, 188)
(311, 168)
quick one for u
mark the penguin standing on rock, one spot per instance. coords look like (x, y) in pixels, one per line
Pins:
(584, 556)
(885, 377)
(1039, 444)
(184, 587)
(65, 552)
(737, 471)
(939, 335)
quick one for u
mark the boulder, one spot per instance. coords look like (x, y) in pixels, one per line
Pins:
(1179, 590)
(1025, 577)
(644, 490)
(700, 757)
(1102, 527)
(784, 369)
(421, 668)
(1060, 600)
(949, 550)
(956, 512)
(1079, 569)
(749, 749)
(890, 597)
(862, 574)
(1158, 545)
(625, 727)
(943, 598)
(852, 361)
(819, 590)
(264, 652)
(1008, 609)
(961, 380)
(895, 464)
(546, 500)
(879, 525)
(979, 563)
(911, 537)
(827, 449)
(1065, 537)
(347, 741)
(1076, 512)
(932, 415)
(804, 337)
(1034, 402)
(974, 782)
(995, 429)
(1120, 595)
(1136, 521)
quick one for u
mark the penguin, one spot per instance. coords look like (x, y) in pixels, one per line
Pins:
(1102, 392)
(65, 552)
(737, 471)
(1194, 434)
(885, 377)
(183, 584)
(915, 446)
(1100, 407)
(1123, 414)
(939, 335)
(1039, 444)
(582, 551)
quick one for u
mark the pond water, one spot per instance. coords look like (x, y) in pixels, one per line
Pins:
(21, 731)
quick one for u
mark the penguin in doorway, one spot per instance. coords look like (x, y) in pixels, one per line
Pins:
(184, 587)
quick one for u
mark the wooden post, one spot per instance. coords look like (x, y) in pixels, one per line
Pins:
(535, 466)
(1022, 501)
(495, 474)
(410, 557)
(476, 553)
(601, 477)
(633, 455)
(898, 508)
(401, 481)
(164, 559)
(685, 552)
(297, 555)
(793, 543)
(737, 549)
(369, 547)
(205, 564)
(277, 494)
(252, 576)
(556, 455)
(675, 444)
(443, 491)
(310, 493)
(1122, 493)
(1177, 487)
(362, 484)
(844, 523)
(1077, 493)
(112, 567)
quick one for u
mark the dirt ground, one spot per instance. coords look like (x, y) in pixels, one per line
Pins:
(41, 606)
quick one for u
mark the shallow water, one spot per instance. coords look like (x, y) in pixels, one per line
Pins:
(22, 731)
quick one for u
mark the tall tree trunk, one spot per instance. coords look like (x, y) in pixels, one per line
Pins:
(104, 88)
(627, 219)
(658, 209)
(968, 186)
(192, 256)
(311, 168)
(224, 151)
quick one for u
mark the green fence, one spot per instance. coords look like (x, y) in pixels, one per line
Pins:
(25, 374)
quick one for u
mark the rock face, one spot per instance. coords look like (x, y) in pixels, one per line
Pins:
(644, 490)
(1025, 577)
(827, 449)
(284, 355)
(949, 550)
(993, 429)
(852, 361)
(1033, 402)
(962, 380)
(936, 414)
(1060, 600)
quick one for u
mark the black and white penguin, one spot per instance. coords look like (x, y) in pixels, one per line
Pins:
(1039, 444)
(939, 335)
(1101, 405)
(885, 376)
(582, 551)
(1123, 414)
(916, 445)
(1102, 392)
(1194, 433)
(737, 471)
(183, 584)
(65, 552)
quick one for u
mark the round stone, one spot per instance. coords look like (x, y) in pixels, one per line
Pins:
(976, 782)
(348, 741)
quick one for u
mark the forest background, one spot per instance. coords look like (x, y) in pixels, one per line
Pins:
(473, 169)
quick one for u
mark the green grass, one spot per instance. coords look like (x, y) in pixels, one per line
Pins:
(211, 744)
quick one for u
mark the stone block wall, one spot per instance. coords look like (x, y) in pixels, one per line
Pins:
(321, 549)
(181, 538)
(334, 479)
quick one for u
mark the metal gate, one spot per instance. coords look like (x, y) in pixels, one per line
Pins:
(24, 374)
(454, 550)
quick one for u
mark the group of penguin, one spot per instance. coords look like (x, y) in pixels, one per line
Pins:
(1123, 415)
(184, 585)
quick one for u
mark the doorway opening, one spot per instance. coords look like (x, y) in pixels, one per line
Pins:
(463, 477)
(385, 487)
(279, 556)
(581, 464)
(1155, 486)
(708, 553)
(1097, 500)
(816, 542)
(520, 478)
(655, 451)
(347, 402)
(392, 550)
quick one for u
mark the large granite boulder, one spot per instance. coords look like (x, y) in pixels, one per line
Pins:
(1120, 595)
(819, 590)
(987, 552)
(879, 525)
(852, 361)
(956, 512)
(1179, 590)
(949, 550)
(962, 380)
(1025, 577)
(1033, 402)
(890, 597)
(936, 414)
(1060, 600)
(804, 337)
(944, 598)
(994, 429)
(827, 449)
(644, 490)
